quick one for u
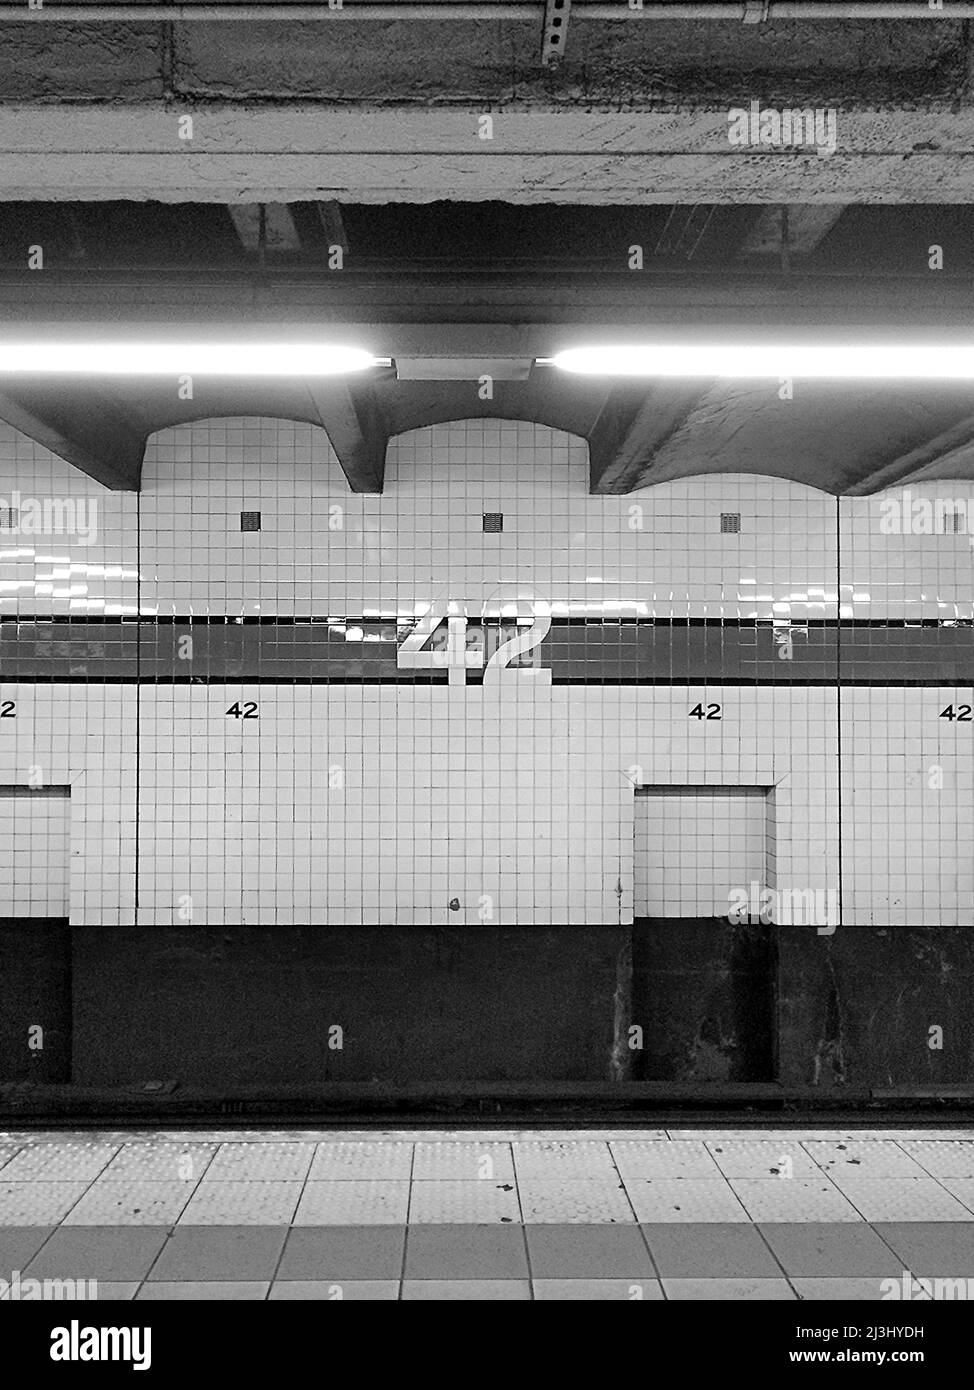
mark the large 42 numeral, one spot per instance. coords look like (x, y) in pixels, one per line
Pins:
(413, 654)
(498, 669)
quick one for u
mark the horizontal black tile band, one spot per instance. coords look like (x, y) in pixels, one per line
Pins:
(576, 651)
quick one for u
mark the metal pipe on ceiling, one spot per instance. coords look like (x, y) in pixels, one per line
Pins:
(744, 11)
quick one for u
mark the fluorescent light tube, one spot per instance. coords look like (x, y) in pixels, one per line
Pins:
(178, 359)
(937, 361)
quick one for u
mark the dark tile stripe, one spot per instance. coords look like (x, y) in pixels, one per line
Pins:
(576, 651)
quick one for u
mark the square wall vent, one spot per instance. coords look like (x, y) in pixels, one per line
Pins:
(730, 522)
(250, 521)
(493, 521)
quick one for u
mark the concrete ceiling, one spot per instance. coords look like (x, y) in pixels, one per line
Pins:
(377, 111)
(369, 136)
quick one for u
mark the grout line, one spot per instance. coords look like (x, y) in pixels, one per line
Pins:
(405, 1234)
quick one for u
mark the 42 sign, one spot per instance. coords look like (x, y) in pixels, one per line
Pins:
(500, 641)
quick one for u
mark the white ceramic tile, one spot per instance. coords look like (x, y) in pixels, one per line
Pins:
(962, 1189)
(463, 1202)
(867, 1159)
(903, 1199)
(793, 1199)
(467, 1162)
(353, 1203)
(131, 1202)
(58, 1162)
(277, 1162)
(943, 1158)
(241, 1204)
(361, 1161)
(728, 1290)
(673, 1158)
(839, 1290)
(762, 1158)
(554, 1161)
(160, 1162)
(37, 1203)
(684, 1199)
(574, 1201)
(597, 1290)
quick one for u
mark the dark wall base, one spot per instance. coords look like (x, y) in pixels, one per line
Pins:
(702, 1008)
(262, 1004)
(35, 994)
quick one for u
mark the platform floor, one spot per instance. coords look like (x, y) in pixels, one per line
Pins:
(651, 1214)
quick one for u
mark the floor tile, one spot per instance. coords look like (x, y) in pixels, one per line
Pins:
(38, 1203)
(220, 1253)
(597, 1290)
(673, 1158)
(931, 1249)
(111, 1292)
(840, 1290)
(685, 1199)
(830, 1250)
(360, 1161)
(793, 1199)
(588, 1252)
(348, 1291)
(261, 1163)
(763, 1158)
(741, 1290)
(869, 1159)
(556, 1162)
(55, 1162)
(468, 1162)
(962, 1189)
(160, 1162)
(353, 1204)
(709, 1250)
(130, 1203)
(343, 1253)
(585, 1200)
(241, 1203)
(942, 1158)
(465, 1290)
(903, 1199)
(211, 1292)
(18, 1244)
(116, 1254)
(459, 1202)
(463, 1251)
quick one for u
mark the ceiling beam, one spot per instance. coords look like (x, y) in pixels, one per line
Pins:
(706, 230)
(88, 431)
(332, 224)
(633, 428)
(808, 225)
(291, 152)
(277, 236)
(958, 440)
(352, 419)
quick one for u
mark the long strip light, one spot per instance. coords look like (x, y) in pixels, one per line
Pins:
(939, 361)
(175, 358)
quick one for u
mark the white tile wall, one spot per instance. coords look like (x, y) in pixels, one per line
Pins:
(517, 803)
(695, 846)
(35, 845)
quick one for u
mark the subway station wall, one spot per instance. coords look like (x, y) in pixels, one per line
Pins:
(233, 720)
